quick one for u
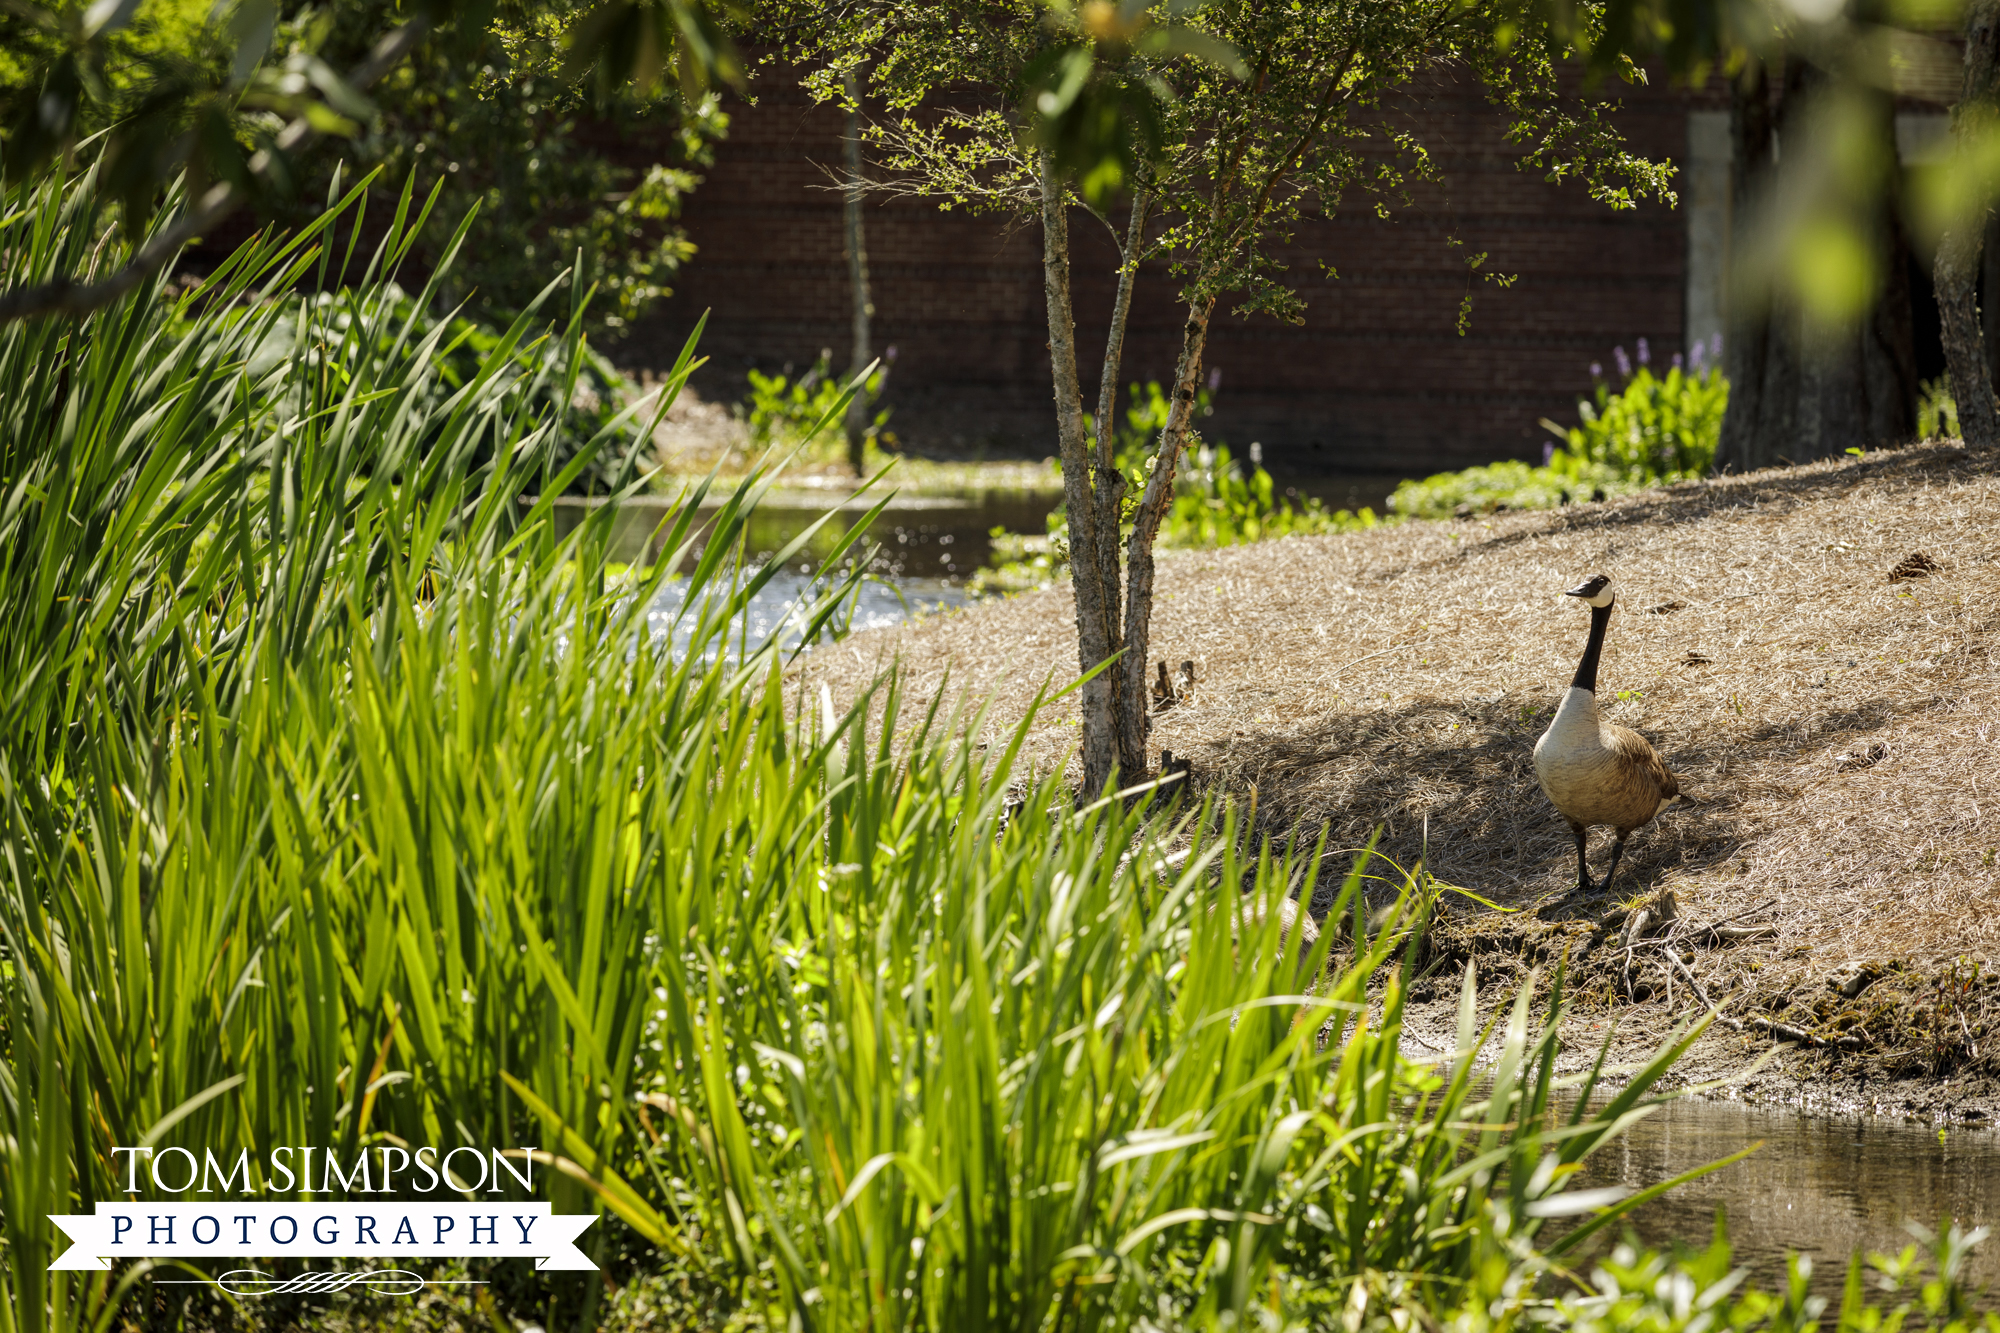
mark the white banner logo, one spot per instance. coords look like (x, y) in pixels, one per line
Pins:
(400, 1231)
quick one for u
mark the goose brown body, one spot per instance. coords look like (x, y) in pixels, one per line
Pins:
(1596, 772)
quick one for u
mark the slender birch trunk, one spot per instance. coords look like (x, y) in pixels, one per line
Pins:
(1093, 626)
(1959, 249)
(857, 282)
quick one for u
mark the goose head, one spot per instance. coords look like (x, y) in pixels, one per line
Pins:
(1596, 590)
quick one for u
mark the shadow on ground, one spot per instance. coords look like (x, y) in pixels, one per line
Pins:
(1452, 784)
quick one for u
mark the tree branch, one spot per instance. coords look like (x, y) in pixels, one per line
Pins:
(74, 300)
(1131, 247)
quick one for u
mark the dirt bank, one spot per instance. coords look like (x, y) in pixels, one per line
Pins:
(1813, 650)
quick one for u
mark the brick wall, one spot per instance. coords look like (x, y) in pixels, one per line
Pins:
(1376, 379)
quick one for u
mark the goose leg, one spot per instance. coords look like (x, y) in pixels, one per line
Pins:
(1617, 850)
(1583, 884)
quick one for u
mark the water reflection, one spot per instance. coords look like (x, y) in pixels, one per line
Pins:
(782, 606)
(943, 538)
(1824, 1186)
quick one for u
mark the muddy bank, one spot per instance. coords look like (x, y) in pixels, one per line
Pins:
(1912, 1040)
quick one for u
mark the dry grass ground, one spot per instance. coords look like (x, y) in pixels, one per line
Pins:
(1836, 729)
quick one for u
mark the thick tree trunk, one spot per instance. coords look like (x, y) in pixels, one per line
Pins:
(1746, 343)
(1776, 417)
(1800, 392)
(1094, 628)
(1989, 297)
(1889, 340)
(1958, 259)
(1153, 505)
(1858, 386)
(857, 283)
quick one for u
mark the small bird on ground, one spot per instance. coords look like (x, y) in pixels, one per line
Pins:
(1597, 772)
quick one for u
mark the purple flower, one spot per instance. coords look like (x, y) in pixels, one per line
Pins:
(1597, 370)
(1548, 453)
(1696, 357)
(889, 352)
(1677, 360)
(1214, 378)
(1645, 353)
(1715, 347)
(1624, 362)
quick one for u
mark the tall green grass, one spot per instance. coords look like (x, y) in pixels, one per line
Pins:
(341, 803)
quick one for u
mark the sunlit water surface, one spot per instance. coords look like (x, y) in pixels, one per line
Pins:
(1826, 1186)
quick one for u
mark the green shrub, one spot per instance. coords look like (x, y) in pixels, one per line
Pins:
(1508, 485)
(1937, 410)
(1217, 502)
(1652, 430)
(784, 411)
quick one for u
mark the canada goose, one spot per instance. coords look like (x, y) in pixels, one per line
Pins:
(1597, 772)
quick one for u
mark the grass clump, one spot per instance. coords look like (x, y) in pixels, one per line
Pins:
(1937, 410)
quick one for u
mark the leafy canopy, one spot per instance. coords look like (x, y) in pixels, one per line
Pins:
(231, 104)
(1237, 117)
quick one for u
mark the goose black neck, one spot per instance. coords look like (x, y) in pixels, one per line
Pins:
(1586, 670)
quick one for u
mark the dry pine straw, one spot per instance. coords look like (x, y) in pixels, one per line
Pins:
(1400, 676)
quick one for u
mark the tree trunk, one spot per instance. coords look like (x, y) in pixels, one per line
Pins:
(1776, 425)
(1958, 259)
(1153, 505)
(1110, 501)
(857, 283)
(1093, 626)
(1989, 292)
(1746, 345)
(1858, 386)
(1797, 393)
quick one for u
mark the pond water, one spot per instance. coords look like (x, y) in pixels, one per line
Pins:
(1821, 1185)
(926, 547)
(937, 538)
(941, 539)
(780, 607)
